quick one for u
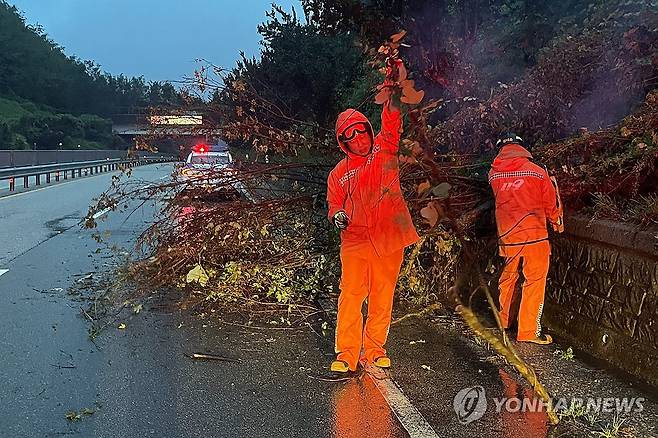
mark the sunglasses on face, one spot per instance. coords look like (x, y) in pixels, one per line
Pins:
(352, 131)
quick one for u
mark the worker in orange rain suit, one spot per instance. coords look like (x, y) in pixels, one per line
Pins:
(366, 204)
(526, 198)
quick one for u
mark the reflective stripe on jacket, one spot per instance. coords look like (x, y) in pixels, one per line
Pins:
(525, 200)
(368, 189)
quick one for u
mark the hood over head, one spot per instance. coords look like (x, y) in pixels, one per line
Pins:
(346, 119)
(509, 157)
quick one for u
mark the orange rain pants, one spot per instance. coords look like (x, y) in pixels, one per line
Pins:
(365, 275)
(533, 260)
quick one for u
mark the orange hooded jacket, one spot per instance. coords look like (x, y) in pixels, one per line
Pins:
(368, 189)
(525, 199)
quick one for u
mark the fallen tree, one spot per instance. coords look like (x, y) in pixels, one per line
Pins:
(275, 248)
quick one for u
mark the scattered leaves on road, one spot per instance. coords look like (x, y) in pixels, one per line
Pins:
(74, 416)
(565, 354)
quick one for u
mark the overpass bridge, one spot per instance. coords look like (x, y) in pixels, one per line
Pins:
(173, 133)
(167, 125)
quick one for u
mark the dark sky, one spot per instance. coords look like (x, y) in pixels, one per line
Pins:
(159, 39)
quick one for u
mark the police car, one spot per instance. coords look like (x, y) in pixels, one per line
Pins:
(210, 167)
(207, 160)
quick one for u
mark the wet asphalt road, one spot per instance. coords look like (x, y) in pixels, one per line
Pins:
(139, 382)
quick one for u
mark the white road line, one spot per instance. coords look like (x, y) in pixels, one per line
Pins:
(410, 417)
(3, 271)
(101, 213)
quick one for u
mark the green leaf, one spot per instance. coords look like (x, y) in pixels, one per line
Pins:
(197, 275)
(73, 416)
(442, 191)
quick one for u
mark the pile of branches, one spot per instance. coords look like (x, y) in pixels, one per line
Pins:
(263, 239)
(273, 241)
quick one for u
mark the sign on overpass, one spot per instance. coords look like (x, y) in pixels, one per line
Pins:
(188, 120)
(164, 124)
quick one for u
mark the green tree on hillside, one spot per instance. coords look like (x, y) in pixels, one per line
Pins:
(54, 93)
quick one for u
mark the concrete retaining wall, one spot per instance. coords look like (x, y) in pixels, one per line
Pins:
(602, 294)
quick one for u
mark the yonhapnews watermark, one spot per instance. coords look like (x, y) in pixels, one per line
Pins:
(471, 403)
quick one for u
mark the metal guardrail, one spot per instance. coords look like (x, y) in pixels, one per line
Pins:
(13, 158)
(20, 158)
(66, 170)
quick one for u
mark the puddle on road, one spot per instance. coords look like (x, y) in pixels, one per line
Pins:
(360, 410)
(513, 420)
(62, 224)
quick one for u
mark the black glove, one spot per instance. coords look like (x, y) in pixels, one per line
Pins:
(341, 220)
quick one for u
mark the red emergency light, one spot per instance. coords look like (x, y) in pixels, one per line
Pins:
(200, 148)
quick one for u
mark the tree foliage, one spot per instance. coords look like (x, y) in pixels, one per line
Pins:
(298, 84)
(464, 48)
(35, 68)
(589, 79)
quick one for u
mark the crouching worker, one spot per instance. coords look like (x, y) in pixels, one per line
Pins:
(366, 204)
(526, 198)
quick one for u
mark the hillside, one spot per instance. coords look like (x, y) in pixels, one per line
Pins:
(48, 97)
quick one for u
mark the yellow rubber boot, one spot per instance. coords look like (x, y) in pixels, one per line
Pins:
(383, 362)
(541, 340)
(339, 366)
